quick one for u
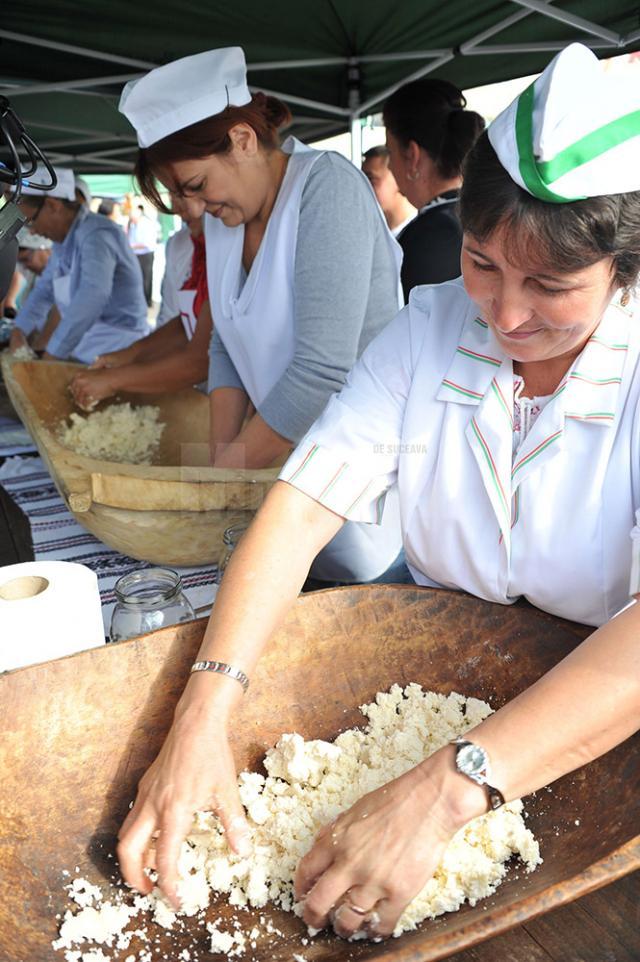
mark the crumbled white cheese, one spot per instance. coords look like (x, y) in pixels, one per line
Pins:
(24, 353)
(83, 892)
(229, 943)
(118, 433)
(307, 785)
(94, 925)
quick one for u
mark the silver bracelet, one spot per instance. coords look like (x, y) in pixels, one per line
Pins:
(222, 669)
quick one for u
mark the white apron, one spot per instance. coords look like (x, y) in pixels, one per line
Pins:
(260, 350)
(256, 322)
(101, 338)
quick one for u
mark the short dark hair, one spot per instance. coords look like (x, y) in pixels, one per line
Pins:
(432, 113)
(106, 206)
(379, 152)
(565, 237)
(33, 200)
(37, 201)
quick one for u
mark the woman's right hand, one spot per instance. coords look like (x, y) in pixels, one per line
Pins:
(90, 387)
(194, 771)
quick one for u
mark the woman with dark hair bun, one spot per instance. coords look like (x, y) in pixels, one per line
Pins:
(429, 132)
(302, 271)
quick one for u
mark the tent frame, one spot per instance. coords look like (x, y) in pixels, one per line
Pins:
(606, 39)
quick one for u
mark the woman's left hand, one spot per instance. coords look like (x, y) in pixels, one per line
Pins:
(92, 386)
(17, 340)
(367, 865)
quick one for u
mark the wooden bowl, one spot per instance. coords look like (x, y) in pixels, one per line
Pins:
(173, 511)
(76, 735)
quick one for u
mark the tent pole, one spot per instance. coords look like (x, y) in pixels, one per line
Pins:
(80, 51)
(65, 128)
(405, 55)
(315, 104)
(289, 64)
(356, 140)
(364, 108)
(113, 151)
(87, 141)
(493, 49)
(64, 85)
(570, 18)
(77, 160)
(492, 31)
(337, 61)
(355, 112)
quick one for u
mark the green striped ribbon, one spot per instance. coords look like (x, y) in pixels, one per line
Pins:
(537, 175)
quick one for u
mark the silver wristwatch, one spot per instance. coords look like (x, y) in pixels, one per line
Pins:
(473, 761)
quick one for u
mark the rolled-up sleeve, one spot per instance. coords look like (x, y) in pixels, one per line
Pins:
(337, 232)
(349, 458)
(40, 301)
(98, 257)
(222, 372)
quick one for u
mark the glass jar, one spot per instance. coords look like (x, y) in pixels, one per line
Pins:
(148, 600)
(230, 540)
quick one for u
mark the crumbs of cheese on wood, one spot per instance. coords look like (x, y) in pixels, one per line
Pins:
(309, 783)
(118, 433)
(24, 353)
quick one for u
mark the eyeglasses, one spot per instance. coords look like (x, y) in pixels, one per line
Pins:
(36, 203)
(30, 221)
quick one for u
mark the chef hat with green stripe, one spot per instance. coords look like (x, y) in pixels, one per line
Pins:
(574, 133)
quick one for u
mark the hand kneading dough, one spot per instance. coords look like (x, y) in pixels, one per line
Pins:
(308, 784)
(118, 433)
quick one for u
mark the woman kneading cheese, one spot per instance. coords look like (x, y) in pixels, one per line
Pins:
(506, 407)
(90, 279)
(301, 268)
(175, 356)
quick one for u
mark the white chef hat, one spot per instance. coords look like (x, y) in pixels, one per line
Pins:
(33, 242)
(65, 189)
(181, 93)
(574, 133)
(85, 190)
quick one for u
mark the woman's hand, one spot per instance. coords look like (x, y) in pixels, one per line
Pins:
(17, 340)
(114, 359)
(89, 387)
(367, 865)
(194, 771)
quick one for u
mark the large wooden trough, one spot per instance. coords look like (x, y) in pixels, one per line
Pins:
(76, 735)
(173, 511)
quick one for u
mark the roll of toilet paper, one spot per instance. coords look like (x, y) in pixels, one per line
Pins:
(47, 609)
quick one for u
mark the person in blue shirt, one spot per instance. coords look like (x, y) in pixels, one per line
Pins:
(92, 279)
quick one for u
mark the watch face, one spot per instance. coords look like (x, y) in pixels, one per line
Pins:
(472, 760)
